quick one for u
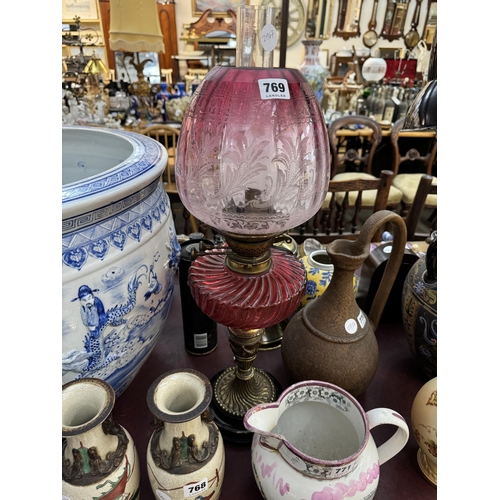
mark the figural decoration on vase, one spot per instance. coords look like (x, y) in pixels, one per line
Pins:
(419, 308)
(312, 68)
(185, 455)
(252, 162)
(331, 338)
(424, 427)
(99, 458)
(119, 253)
(315, 442)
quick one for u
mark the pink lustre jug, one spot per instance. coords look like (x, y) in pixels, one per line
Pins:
(314, 443)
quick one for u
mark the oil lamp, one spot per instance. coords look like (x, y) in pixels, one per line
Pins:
(252, 162)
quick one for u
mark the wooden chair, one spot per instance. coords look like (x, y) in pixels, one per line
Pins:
(191, 74)
(425, 188)
(189, 80)
(408, 182)
(168, 136)
(345, 206)
(354, 153)
(352, 156)
(167, 73)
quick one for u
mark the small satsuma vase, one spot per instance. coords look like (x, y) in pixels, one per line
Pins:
(99, 458)
(419, 310)
(424, 427)
(312, 68)
(319, 271)
(185, 455)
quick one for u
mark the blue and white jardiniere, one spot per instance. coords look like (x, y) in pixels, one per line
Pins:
(119, 253)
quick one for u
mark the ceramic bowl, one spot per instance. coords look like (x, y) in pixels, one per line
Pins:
(363, 52)
(119, 253)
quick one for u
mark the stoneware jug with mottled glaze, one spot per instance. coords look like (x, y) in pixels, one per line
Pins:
(331, 338)
(315, 442)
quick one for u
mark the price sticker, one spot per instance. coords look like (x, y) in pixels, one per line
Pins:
(351, 326)
(193, 489)
(361, 319)
(269, 37)
(274, 88)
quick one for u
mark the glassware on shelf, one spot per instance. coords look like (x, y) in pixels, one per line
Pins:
(162, 98)
(390, 106)
(378, 106)
(403, 103)
(195, 83)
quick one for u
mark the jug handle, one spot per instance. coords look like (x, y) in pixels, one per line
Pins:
(397, 441)
(372, 227)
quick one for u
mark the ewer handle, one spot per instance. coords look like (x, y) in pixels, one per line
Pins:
(396, 442)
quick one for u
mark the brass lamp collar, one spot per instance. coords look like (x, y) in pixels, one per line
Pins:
(251, 254)
(249, 265)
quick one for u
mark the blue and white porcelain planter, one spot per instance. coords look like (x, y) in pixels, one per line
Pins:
(119, 253)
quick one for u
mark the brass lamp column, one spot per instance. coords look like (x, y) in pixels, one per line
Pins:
(232, 285)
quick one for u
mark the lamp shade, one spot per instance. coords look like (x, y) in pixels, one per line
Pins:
(95, 67)
(135, 26)
(374, 69)
(253, 153)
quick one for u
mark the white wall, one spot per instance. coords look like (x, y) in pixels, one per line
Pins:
(295, 53)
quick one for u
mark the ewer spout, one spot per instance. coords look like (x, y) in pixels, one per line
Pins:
(261, 420)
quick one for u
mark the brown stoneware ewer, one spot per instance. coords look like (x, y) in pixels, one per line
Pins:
(332, 339)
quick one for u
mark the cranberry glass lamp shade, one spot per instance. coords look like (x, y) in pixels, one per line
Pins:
(253, 153)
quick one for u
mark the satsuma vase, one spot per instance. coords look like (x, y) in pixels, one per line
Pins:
(99, 458)
(185, 455)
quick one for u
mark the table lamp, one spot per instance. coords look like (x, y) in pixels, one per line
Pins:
(94, 68)
(252, 162)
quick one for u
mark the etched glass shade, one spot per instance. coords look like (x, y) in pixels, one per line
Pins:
(253, 155)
